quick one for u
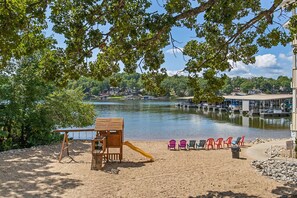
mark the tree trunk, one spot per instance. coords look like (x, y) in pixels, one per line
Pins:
(296, 148)
(22, 136)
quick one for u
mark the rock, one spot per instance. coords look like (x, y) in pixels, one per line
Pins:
(114, 171)
(277, 169)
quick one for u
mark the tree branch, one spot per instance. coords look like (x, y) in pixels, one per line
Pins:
(195, 11)
(266, 13)
(249, 24)
(192, 12)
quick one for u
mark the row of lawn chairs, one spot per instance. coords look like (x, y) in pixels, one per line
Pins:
(210, 143)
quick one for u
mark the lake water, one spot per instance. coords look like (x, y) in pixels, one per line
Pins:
(155, 120)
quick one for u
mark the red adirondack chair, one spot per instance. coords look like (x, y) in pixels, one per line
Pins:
(228, 141)
(182, 145)
(241, 142)
(171, 144)
(210, 143)
(219, 143)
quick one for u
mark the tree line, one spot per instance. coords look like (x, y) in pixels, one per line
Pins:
(178, 86)
(282, 84)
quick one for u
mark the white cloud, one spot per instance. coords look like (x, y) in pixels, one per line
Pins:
(243, 75)
(285, 57)
(176, 72)
(266, 60)
(175, 50)
(278, 72)
(248, 75)
(267, 65)
(239, 67)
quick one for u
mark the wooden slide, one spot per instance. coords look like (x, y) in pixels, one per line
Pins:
(145, 154)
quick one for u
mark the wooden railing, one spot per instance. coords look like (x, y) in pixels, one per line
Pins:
(99, 145)
(111, 157)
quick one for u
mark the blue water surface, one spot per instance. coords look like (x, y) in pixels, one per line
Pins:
(162, 120)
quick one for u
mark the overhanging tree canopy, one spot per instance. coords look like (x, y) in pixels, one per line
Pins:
(128, 31)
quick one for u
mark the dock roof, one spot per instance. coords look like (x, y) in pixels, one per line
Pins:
(260, 97)
(252, 97)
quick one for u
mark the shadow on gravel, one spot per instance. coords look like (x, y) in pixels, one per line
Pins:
(288, 190)
(26, 173)
(224, 194)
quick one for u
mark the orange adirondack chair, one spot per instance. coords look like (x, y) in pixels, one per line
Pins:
(219, 143)
(210, 143)
(241, 142)
(228, 141)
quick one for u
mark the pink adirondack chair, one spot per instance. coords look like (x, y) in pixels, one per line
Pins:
(228, 141)
(182, 145)
(171, 145)
(219, 143)
(210, 143)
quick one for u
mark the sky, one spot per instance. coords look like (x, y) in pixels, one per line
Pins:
(270, 63)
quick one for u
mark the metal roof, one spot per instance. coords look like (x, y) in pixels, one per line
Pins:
(260, 97)
(251, 97)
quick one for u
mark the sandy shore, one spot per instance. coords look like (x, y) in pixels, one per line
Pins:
(37, 173)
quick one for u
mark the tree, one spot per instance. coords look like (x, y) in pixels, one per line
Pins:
(177, 85)
(237, 81)
(128, 31)
(284, 84)
(266, 86)
(246, 86)
(228, 87)
(31, 107)
(22, 24)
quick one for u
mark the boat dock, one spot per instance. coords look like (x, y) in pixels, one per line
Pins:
(263, 105)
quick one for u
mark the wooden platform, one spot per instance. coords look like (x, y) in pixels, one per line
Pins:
(282, 114)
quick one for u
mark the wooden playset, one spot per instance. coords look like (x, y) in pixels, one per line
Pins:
(108, 143)
(109, 135)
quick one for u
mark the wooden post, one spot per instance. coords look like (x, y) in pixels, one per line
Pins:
(96, 161)
(63, 146)
(107, 146)
(65, 143)
(290, 146)
(97, 154)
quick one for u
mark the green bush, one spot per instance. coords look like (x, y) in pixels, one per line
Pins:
(44, 139)
(6, 144)
(33, 107)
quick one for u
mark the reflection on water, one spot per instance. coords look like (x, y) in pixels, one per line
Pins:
(162, 120)
(253, 122)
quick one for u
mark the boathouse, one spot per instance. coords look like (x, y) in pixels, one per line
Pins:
(263, 104)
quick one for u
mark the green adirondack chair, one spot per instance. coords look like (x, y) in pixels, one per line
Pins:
(192, 144)
(201, 144)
